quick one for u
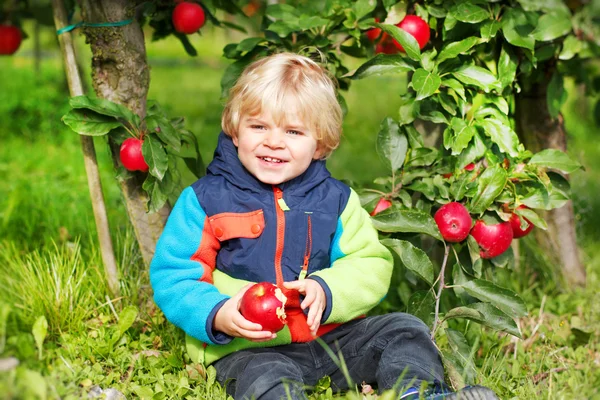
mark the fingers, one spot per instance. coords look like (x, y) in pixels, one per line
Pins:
(297, 285)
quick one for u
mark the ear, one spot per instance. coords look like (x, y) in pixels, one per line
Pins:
(235, 140)
(318, 152)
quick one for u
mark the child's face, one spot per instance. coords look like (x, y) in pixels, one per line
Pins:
(275, 154)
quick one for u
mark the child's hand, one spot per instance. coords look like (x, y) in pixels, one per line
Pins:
(229, 320)
(314, 298)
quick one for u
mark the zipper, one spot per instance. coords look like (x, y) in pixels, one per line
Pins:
(279, 212)
(308, 249)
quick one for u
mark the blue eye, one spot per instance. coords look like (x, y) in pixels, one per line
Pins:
(257, 126)
(295, 132)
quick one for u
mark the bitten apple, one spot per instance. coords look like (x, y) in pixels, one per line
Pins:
(382, 204)
(131, 155)
(515, 222)
(493, 239)
(454, 222)
(188, 17)
(264, 304)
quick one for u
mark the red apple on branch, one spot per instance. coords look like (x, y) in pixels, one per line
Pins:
(188, 17)
(10, 39)
(417, 27)
(131, 155)
(515, 222)
(454, 222)
(264, 304)
(382, 204)
(373, 33)
(493, 239)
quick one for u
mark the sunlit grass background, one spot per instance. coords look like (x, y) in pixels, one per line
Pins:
(50, 263)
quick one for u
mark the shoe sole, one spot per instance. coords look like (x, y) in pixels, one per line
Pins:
(472, 393)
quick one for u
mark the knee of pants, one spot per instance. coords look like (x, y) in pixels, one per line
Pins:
(265, 370)
(398, 322)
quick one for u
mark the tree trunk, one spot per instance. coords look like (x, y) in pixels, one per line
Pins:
(120, 74)
(538, 131)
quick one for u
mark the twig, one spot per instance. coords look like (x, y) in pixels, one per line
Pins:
(539, 377)
(439, 293)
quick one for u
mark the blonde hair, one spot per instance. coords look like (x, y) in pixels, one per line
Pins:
(283, 82)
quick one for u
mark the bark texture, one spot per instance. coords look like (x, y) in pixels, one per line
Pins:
(120, 74)
(538, 131)
(88, 149)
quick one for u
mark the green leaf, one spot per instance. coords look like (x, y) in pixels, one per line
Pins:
(406, 112)
(155, 156)
(495, 318)
(164, 130)
(504, 299)
(307, 22)
(105, 107)
(453, 49)
(425, 83)
(463, 134)
(424, 156)
(382, 64)
(469, 12)
(126, 319)
(456, 86)
(156, 197)
(556, 159)
(40, 330)
(282, 11)
(460, 186)
(391, 144)
(249, 44)
(532, 217)
(489, 29)
(552, 25)
(90, 123)
(363, 7)
(571, 47)
(464, 312)
(477, 76)
(516, 29)
(412, 257)
(507, 66)
(415, 139)
(473, 152)
(556, 94)
(503, 135)
(462, 354)
(421, 304)
(408, 221)
(489, 185)
(408, 42)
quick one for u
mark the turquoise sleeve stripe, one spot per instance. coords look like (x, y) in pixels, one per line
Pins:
(336, 252)
(185, 301)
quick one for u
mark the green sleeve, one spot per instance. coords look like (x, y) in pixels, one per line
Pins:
(361, 267)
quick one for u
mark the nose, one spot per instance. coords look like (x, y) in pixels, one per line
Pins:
(274, 139)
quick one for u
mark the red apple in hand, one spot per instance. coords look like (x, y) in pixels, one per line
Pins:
(10, 39)
(515, 222)
(454, 222)
(188, 17)
(493, 239)
(382, 204)
(131, 155)
(417, 27)
(264, 304)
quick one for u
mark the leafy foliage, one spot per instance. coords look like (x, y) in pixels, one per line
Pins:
(164, 140)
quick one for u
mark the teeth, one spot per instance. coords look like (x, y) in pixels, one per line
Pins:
(269, 159)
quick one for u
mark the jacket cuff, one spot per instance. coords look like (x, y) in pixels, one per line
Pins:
(216, 337)
(328, 305)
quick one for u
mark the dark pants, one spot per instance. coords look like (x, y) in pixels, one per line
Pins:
(392, 350)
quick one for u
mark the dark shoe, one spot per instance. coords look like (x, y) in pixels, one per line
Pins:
(466, 393)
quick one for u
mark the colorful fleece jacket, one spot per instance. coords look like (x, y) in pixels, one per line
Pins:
(229, 229)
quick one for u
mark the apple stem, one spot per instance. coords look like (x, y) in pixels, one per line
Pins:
(439, 293)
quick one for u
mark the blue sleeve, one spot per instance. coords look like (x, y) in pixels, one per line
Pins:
(186, 301)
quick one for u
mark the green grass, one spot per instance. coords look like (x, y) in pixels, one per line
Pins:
(50, 265)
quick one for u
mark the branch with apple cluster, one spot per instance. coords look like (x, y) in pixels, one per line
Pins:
(149, 147)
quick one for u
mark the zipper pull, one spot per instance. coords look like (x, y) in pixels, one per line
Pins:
(280, 201)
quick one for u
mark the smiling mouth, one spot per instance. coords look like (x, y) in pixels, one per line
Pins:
(272, 160)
